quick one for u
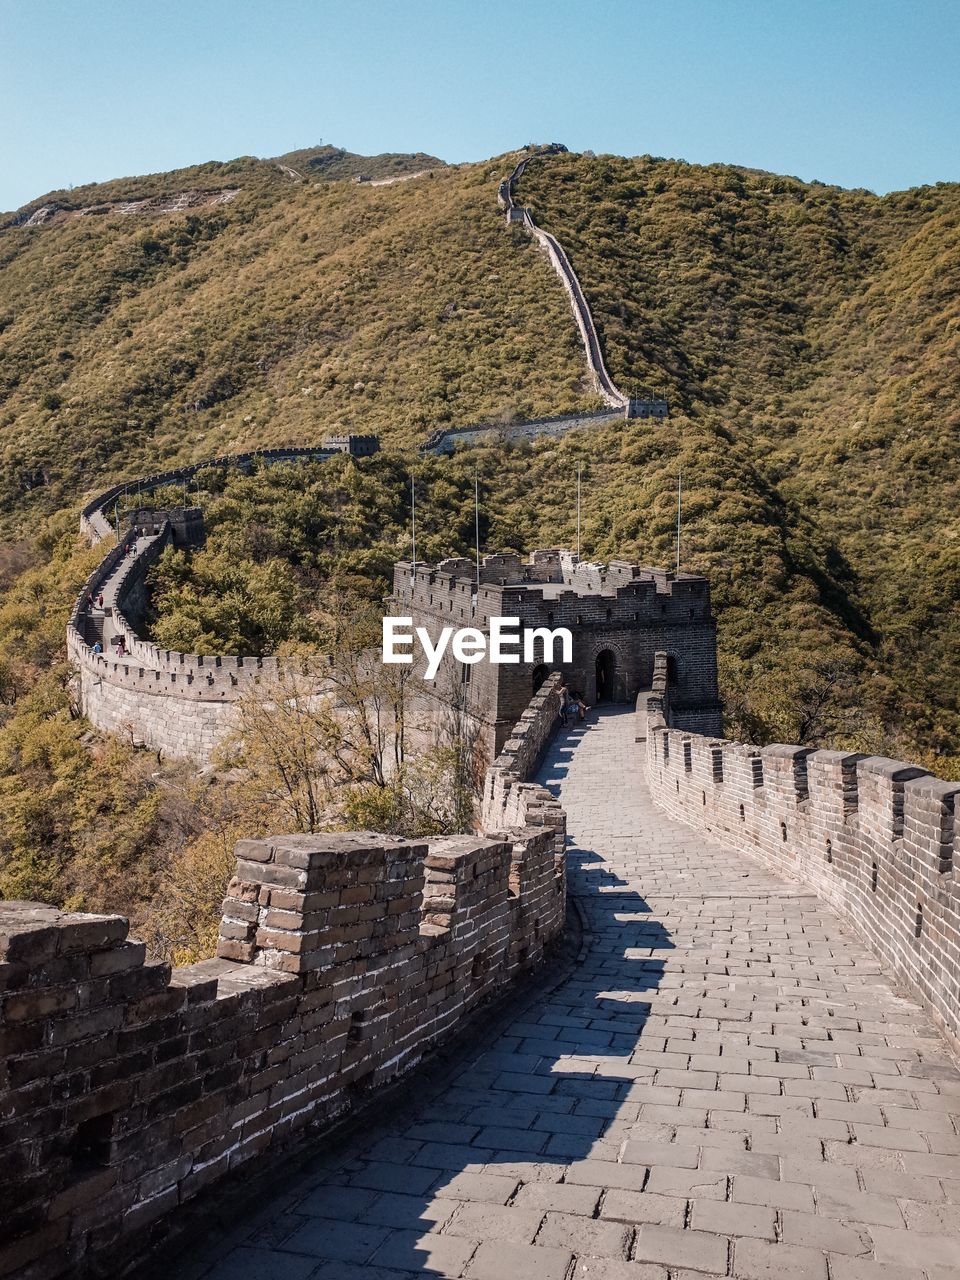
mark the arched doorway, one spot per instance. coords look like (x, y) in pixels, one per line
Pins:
(606, 676)
(539, 675)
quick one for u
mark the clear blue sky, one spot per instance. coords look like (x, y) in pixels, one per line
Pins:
(858, 92)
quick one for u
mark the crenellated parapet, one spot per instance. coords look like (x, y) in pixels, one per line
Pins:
(128, 1087)
(96, 518)
(876, 838)
(618, 616)
(180, 704)
(509, 798)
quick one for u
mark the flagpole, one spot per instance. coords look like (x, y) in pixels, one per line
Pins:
(413, 525)
(476, 519)
(579, 470)
(679, 499)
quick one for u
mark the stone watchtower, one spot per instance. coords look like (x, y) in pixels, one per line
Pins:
(620, 615)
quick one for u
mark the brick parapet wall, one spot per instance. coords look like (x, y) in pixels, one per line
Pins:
(631, 595)
(96, 525)
(446, 439)
(877, 838)
(128, 1087)
(177, 703)
(510, 800)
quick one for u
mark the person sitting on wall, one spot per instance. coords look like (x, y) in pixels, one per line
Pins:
(98, 647)
(578, 707)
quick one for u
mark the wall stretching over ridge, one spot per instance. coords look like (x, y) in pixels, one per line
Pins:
(446, 439)
(568, 278)
(877, 838)
(126, 1087)
(176, 703)
(95, 523)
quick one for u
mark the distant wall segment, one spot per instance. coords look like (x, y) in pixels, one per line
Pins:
(180, 704)
(626, 405)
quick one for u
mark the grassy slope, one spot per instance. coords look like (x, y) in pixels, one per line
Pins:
(819, 329)
(294, 311)
(807, 338)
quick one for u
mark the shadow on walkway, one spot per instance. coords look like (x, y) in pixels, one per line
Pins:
(502, 1155)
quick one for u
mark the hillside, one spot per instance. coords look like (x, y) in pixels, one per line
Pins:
(807, 338)
(293, 311)
(333, 164)
(821, 327)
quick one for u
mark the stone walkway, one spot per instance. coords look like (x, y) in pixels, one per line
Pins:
(725, 1085)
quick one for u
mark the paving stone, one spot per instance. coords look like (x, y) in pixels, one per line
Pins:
(850, 1206)
(341, 1241)
(606, 1173)
(358, 1271)
(757, 1163)
(393, 1210)
(487, 1187)
(254, 1264)
(939, 1219)
(846, 1268)
(758, 1260)
(497, 1261)
(393, 1177)
(826, 1234)
(425, 1253)
(336, 1202)
(445, 1155)
(778, 1195)
(871, 1135)
(644, 1206)
(600, 1239)
(611, 1269)
(671, 1154)
(564, 1198)
(699, 1250)
(891, 1182)
(916, 1248)
(706, 983)
(727, 1218)
(495, 1222)
(703, 1184)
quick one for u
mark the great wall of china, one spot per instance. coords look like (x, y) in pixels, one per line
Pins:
(343, 959)
(723, 1083)
(176, 703)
